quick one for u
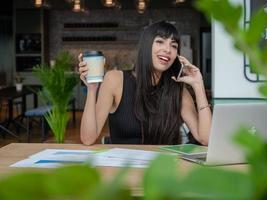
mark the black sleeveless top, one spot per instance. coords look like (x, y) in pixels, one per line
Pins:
(123, 125)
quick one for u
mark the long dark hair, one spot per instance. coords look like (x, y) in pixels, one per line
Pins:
(157, 107)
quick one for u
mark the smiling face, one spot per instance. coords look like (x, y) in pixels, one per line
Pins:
(164, 52)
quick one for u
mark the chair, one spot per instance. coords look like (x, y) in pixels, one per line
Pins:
(4, 104)
(38, 112)
(3, 110)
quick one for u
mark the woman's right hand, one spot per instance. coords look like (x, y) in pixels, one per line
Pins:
(83, 70)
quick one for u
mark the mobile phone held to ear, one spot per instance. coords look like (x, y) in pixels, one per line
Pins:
(180, 72)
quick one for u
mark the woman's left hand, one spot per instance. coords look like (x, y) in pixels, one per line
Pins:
(191, 73)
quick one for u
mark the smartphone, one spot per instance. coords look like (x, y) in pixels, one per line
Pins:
(180, 72)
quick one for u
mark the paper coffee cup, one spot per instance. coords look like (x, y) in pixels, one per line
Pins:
(95, 62)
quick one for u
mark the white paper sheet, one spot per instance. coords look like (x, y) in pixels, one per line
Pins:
(119, 157)
(63, 154)
(55, 157)
(116, 157)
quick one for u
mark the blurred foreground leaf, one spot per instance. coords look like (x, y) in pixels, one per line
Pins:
(62, 183)
(161, 180)
(256, 152)
(249, 40)
(114, 190)
(212, 183)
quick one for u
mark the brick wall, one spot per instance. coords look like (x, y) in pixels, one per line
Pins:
(120, 53)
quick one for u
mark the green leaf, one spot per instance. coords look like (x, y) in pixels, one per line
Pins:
(58, 84)
(264, 59)
(108, 192)
(263, 89)
(218, 9)
(211, 183)
(258, 23)
(72, 181)
(205, 6)
(113, 190)
(256, 151)
(251, 143)
(255, 59)
(23, 186)
(160, 179)
(57, 119)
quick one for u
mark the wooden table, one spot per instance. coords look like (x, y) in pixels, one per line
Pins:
(18, 151)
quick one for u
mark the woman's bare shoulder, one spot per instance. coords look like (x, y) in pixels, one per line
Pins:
(113, 78)
(114, 73)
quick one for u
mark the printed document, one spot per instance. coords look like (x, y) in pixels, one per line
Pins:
(115, 157)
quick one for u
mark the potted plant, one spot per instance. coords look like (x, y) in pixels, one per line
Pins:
(19, 82)
(58, 84)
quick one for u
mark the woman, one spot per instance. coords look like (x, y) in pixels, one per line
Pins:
(149, 104)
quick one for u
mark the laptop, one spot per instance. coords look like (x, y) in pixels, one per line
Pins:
(226, 120)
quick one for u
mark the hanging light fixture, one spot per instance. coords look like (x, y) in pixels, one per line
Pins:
(176, 2)
(141, 6)
(117, 5)
(77, 6)
(109, 3)
(38, 3)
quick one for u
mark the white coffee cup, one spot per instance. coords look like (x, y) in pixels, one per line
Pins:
(95, 62)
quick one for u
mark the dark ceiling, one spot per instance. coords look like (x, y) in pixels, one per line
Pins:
(6, 8)
(131, 4)
(97, 4)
